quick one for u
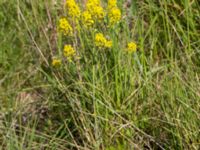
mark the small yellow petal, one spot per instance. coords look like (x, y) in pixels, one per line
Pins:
(132, 47)
(65, 27)
(69, 52)
(56, 62)
(101, 41)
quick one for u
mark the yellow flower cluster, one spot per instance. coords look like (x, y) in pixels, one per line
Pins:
(93, 12)
(95, 9)
(69, 52)
(112, 4)
(73, 9)
(132, 47)
(114, 13)
(102, 42)
(87, 19)
(91, 16)
(65, 27)
(56, 62)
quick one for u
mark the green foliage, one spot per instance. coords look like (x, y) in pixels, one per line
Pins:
(108, 99)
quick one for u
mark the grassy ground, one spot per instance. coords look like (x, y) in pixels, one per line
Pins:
(109, 99)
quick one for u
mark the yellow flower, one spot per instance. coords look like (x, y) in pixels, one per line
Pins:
(95, 9)
(114, 15)
(108, 44)
(87, 19)
(69, 51)
(132, 47)
(93, 2)
(56, 62)
(65, 27)
(73, 9)
(112, 4)
(101, 41)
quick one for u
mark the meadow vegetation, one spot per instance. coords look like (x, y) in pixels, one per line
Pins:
(99, 75)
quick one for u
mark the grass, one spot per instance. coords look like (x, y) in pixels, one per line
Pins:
(109, 100)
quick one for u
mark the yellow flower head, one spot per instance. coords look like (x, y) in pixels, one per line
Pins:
(112, 4)
(114, 15)
(72, 9)
(56, 62)
(108, 44)
(95, 9)
(101, 41)
(87, 19)
(65, 27)
(69, 51)
(132, 47)
(94, 2)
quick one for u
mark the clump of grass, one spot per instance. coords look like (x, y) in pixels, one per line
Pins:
(100, 97)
